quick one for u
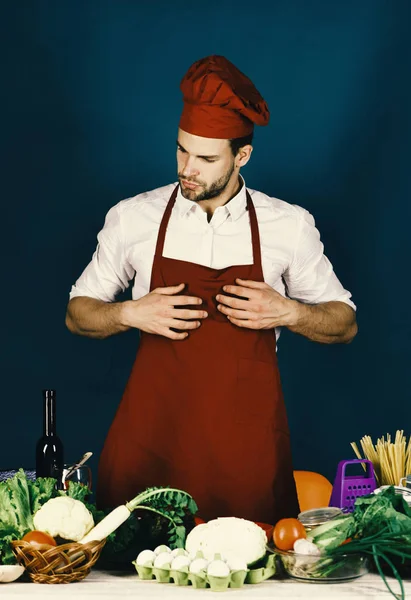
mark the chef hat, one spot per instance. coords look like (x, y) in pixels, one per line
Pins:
(220, 101)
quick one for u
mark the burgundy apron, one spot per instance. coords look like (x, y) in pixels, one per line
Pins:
(205, 414)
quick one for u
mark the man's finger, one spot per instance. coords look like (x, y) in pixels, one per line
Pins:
(243, 323)
(181, 324)
(257, 285)
(170, 290)
(173, 335)
(237, 314)
(182, 300)
(233, 302)
(185, 313)
(237, 290)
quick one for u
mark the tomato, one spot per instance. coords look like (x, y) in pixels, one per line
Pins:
(286, 532)
(39, 538)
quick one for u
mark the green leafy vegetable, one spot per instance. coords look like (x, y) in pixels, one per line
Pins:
(378, 511)
(40, 492)
(8, 533)
(15, 513)
(380, 527)
(158, 516)
(333, 533)
(170, 503)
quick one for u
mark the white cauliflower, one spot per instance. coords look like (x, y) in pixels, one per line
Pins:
(65, 517)
(228, 536)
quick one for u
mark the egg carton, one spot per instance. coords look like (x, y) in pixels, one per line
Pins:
(201, 580)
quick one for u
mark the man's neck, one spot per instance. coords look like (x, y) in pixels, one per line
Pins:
(209, 206)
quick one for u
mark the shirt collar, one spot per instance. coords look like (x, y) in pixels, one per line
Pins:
(235, 207)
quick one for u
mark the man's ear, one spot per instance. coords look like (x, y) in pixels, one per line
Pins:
(243, 155)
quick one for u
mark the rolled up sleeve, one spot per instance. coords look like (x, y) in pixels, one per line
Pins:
(310, 277)
(108, 272)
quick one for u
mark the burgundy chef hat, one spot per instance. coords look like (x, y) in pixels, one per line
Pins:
(220, 101)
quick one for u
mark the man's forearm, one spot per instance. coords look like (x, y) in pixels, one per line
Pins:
(327, 323)
(95, 318)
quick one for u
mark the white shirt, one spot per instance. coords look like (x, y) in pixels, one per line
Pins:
(292, 254)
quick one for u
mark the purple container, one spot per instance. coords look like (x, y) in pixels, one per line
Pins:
(348, 488)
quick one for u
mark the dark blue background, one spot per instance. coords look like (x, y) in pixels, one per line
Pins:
(90, 107)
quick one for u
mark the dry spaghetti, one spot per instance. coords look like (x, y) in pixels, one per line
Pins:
(391, 460)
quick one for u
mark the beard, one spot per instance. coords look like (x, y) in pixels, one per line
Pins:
(210, 192)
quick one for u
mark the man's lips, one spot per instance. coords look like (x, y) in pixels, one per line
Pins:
(189, 184)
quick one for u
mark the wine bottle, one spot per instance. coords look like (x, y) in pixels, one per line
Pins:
(49, 450)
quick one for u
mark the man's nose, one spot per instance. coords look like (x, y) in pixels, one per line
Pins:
(189, 167)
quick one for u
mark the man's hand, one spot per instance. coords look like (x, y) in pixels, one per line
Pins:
(264, 308)
(331, 322)
(156, 312)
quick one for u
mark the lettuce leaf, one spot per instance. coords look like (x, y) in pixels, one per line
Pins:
(40, 492)
(15, 503)
(15, 513)
(8, 533)
(8, 517)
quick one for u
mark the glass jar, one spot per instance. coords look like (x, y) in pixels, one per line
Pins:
(318, 516)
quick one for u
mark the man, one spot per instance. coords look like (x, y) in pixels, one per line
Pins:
(218, 270)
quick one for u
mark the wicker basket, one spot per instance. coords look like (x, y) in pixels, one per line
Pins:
(59, 564)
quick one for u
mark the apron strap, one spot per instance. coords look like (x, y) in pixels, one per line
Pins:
(255, 234)
(163, 225)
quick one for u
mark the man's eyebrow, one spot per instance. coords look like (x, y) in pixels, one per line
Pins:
(199, 155)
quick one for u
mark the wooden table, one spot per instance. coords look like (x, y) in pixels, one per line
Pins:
(124, 585)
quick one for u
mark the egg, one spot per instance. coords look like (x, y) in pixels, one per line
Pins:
(218, 568)
(163, 560)
(180, 562)
(179, 552)
(145, 558)
(198, 564)
(160, 549)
